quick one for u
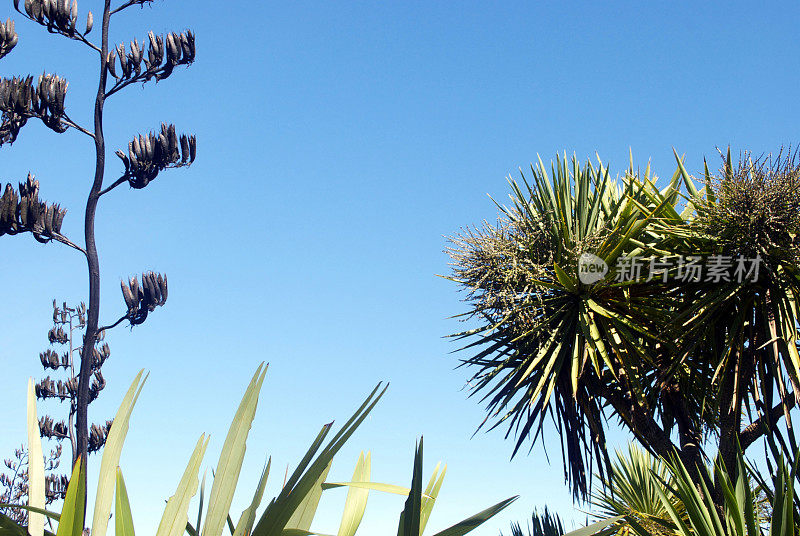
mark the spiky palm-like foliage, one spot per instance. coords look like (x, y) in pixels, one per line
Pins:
(742, 511)
(658, 497)
(549, 343)
(637, 489)
(682, 362)
(541, 524)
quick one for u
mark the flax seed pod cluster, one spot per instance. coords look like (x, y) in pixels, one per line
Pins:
(57, 15)
(143, 299)
(98, 435)
(21, 99)
(51, 429)
(163, 54)
(47, 388)
(26, 212)
(8, 37)
(52, 360)
(150, 154)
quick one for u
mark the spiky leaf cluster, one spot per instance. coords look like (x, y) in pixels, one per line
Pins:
(675, 360)
(150, 154)
(546, 523)
(163, 55)
(21, 99)
(537, 351)
(499, 266)
(25, 212)
(143, 299)
(8, 37)
(755, 209)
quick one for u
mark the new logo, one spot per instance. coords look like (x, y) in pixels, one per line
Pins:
(591, 268)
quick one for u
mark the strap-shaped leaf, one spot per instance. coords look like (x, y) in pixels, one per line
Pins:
(8, 527)
(35, 466)
(429, 496)
(412, 512)
(356, 502)
(280, 510)
(72, 512)
(231, 457)
(375, 486)
(304, 514)
(594, 528)
(248, 518)
(123, 520)
(111, 454)
(47, 513)
(476, 520)
(176, 514)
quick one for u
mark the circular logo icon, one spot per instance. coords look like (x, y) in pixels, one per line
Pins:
(591, 268)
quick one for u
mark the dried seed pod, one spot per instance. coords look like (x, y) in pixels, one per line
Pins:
(136, 51)
(148, 144)
(193, 148)
(172, 49)
(153, 43)
(155, 289)
(132, 154)
(162, 285)
(123, 60)
(8, 37)
(127, 295)
(163, 144)
(48, 221)
(110, 60)
(125, 161)
(59, 219)
(184, 149)
(137, 292)
(186, 47)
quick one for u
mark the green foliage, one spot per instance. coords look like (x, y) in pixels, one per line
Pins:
(544, 524)
(545, 333)
(291, 512)
(676, 360)
(741, 514)
(648, 496)
(635, 490)
(656, 497)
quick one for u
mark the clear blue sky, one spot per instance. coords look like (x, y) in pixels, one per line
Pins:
(339, 143)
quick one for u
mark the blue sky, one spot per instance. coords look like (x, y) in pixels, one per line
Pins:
(338, 145)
